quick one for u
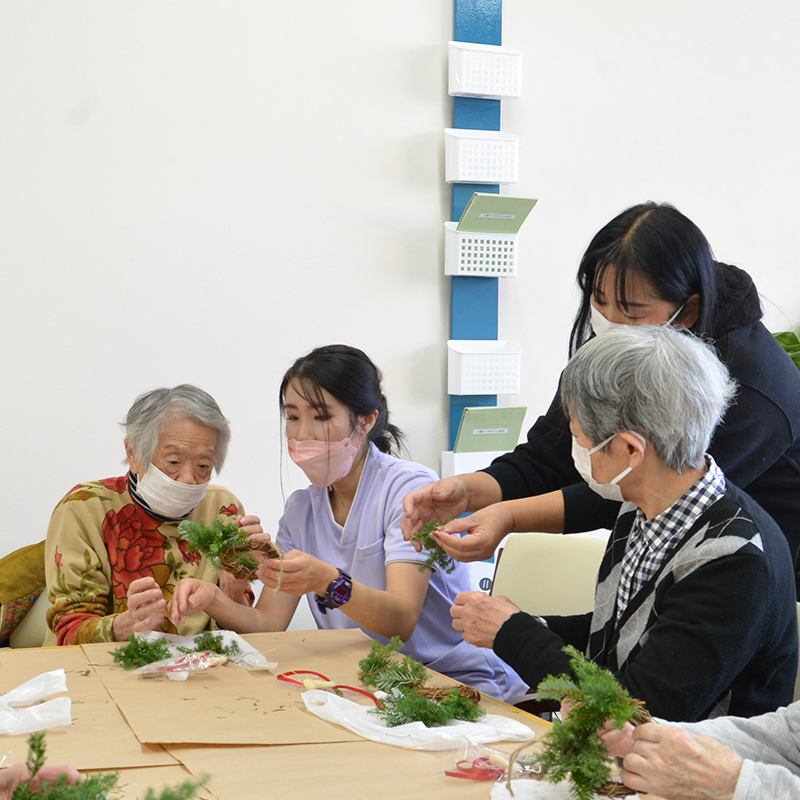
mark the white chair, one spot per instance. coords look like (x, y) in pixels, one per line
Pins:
(549, 573)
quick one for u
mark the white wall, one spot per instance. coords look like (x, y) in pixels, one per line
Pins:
(202, 191)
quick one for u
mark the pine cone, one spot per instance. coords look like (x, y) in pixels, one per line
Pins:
(230, 564)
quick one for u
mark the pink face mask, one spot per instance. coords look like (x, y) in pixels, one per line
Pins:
(324, 463)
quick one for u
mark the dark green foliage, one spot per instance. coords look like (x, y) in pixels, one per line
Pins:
(212, 643)
(403, 677)
(139, 652)
(219, 539)
(94, 786)
(402, 706)
(573, 749)
(385, 669)
(436, 555)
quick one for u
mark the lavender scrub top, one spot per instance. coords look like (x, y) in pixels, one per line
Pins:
(371, 539)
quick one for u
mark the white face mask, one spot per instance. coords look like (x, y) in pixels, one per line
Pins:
(582, 457)
(601, 325)
(167, 497)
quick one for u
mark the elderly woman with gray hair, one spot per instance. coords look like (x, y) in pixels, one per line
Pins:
(694, 604)
(113, 554)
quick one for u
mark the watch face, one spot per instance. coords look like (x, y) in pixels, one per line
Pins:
(340, 594)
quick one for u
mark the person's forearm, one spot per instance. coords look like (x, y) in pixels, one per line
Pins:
(482, 490)
(122, 626)
(381, 612)
(543, 513)
(267, 615)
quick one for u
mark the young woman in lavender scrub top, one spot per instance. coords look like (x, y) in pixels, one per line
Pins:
(341, 536)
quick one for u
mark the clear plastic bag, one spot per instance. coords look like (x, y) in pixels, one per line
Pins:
(480, 763)
(178, 668)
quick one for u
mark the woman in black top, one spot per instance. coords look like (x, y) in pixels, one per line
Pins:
(653, 265)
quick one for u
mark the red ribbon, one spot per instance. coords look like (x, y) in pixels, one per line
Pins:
(287, 678)
(481, 769)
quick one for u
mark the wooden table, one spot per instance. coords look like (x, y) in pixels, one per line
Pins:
(251, 734)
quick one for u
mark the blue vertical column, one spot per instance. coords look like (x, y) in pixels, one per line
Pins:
(474, 301)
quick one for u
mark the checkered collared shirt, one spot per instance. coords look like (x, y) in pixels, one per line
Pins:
(650, 540)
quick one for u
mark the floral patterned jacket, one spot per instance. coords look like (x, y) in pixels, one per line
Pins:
(100, 540)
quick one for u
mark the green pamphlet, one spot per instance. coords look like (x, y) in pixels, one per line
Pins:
(485, 429)
(495, 213)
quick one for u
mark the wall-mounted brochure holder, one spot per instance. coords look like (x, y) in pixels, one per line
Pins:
(479, 255)
(483, 366)
(483, 243)
(484, 70)
(474, 156)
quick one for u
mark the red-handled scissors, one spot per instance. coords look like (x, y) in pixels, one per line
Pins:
(481, 769)
(296, 676)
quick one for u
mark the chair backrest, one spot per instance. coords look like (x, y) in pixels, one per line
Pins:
(549, 573)
(797, 679)
(31, 631)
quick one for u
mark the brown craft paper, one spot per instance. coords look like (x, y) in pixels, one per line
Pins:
(99, 737)
(229, 705)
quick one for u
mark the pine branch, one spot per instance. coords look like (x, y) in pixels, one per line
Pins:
(212, 643)
(401, 707)
(385, 669)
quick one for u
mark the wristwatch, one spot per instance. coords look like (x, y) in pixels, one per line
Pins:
(338, 593)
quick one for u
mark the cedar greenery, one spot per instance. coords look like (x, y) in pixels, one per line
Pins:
(212, 643)
(385, 670)
(403, 678)
(400, 707)
(436, 555)
(219, 539)
(573, 749)
(94, 786)
(139, 652)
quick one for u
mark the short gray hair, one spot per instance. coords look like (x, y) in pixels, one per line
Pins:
(657, 380)
(145, 421)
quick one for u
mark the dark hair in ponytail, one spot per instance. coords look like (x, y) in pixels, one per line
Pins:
(349, 375)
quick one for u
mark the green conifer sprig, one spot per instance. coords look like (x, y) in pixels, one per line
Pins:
(573, 749)
(385, 669)
(436, 555)
(139, 652)
(401, 707)
(224, 539)
(212, 643)
(94, 786)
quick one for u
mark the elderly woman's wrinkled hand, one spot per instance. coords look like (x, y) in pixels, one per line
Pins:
(251, 525)
(476, 537)
(479, 617)
(678, 765)
(146, 604)
(618, 741)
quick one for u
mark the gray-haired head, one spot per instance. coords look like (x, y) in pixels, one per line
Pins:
(145, 421)
(663, 383)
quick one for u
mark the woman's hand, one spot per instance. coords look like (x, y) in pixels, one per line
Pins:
(146, 605)
(302, 573)
(13, 776)
(191, 596)
(250, 524)
(679, 765)
(435, 502)
(484, 529)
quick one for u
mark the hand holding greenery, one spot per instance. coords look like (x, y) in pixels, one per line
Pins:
(573, 749)
(94, 786)
(227, 546)
(436, 555)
